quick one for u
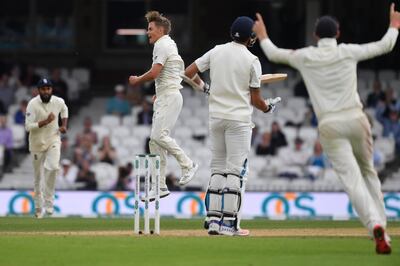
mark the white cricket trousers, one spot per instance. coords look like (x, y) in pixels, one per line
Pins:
(230, 145)
(167, 108)
(347, 141)
(49, 162)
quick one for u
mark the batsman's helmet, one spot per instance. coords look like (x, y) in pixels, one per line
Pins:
(242, 29)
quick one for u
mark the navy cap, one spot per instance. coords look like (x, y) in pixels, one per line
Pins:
(242, 28)
(45, 82)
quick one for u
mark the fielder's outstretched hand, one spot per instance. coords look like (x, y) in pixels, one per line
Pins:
(259, 28)
(394, 17)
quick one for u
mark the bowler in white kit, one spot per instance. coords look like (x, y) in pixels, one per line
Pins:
(45, 143)
(329, 71)
(165, 70)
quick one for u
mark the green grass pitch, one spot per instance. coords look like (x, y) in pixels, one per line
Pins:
(27, 241)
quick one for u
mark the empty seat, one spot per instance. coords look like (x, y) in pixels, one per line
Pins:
(141, 131)
(101, 131)
(120, 132)
(106, 175)
(193, 123)
(183, 132)
(296, 103)
(42, 72)
(110, 121)
(386, 75)
(386, 146)
(82, 75)
(19, 133)
(366, 74)
(308, 134)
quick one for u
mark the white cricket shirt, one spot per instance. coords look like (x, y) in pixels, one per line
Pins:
(40, 139)
(330, 70)
(233, 70)
(165, 52)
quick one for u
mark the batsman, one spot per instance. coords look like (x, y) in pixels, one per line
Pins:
(235, 88)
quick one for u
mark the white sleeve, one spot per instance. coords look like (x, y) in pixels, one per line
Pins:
(255, 74)
(160, 55)
(369, 50)
(203, 63)
(64, 110)
(280, 55)
(30, 118)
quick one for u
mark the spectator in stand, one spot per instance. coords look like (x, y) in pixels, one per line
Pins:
(118, 105)
(6, 140)
(294, 160)
(28, 76)
(300, 90)
(124, 177)
(67, 176)
(145, 117)
(83, 153)
(3, 109)
(391, 125)
(6, 92)
(106, 152)
(317, 162)
(19, 117)
(66, 150)
(86, 177)
(390, 102)
(59, 85)
(172, 182)
(265, 147)
(278, 138)
(87, 131)
(376, 95)
(15, 74)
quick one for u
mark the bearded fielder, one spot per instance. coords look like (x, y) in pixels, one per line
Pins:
(45, 143)
(167, 65)
(235, 88)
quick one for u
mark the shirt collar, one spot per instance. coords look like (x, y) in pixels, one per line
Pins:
(327, 42)
(162, 38)
(238, 44)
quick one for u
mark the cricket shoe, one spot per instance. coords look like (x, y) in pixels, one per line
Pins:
(242, 232)
(49, 211)
(152, 194)
(227, 230)
(381, 242)
(38, 213)
(188, 174)
(213, 228)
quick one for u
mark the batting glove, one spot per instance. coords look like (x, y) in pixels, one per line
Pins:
(272, 102)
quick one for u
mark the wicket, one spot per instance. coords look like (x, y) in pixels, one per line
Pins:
(151, 169)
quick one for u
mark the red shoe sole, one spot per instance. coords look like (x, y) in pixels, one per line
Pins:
(382, 247)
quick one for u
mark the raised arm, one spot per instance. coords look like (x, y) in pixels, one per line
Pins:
(383, 46)
(273, 53)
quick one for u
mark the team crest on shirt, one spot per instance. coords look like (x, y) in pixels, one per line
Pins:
(28, 114)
